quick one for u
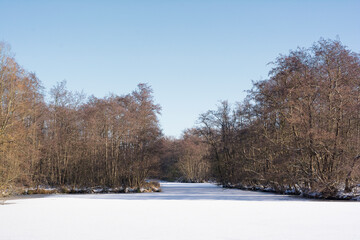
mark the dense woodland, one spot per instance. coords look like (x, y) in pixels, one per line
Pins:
(298, 130)
(69, 141)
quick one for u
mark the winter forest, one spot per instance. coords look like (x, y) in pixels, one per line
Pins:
(298, 131)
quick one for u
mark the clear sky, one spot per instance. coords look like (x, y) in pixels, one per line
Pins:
(192, 52)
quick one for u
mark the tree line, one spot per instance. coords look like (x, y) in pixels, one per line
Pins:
(298, 131)
(70, 140)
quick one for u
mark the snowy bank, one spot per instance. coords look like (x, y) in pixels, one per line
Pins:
(151, 186)
(340, 194)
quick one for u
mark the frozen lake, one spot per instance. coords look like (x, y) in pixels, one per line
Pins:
(181, 211)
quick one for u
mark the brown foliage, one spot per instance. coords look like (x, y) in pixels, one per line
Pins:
(110, 141)
(184, 159)
(299, 127)
(20, 119)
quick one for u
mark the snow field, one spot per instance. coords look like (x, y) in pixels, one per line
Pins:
(181, 211)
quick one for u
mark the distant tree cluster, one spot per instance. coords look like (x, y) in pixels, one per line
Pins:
(299, 129)
(111, 141)
(184, 159)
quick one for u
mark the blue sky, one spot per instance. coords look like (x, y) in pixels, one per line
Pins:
(193, 53)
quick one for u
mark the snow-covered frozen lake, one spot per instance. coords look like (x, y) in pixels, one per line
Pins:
(181, 211)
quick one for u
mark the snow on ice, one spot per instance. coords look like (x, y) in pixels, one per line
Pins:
(180, 211)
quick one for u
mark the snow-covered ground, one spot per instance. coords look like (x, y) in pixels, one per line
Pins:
(181, 211)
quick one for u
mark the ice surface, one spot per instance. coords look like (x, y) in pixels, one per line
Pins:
(181, 211)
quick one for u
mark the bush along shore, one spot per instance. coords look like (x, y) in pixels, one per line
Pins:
(41, 189)
(301, 191)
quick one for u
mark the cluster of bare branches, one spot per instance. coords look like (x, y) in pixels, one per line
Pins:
(110, 141)
(298, 129)
(184, 159)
